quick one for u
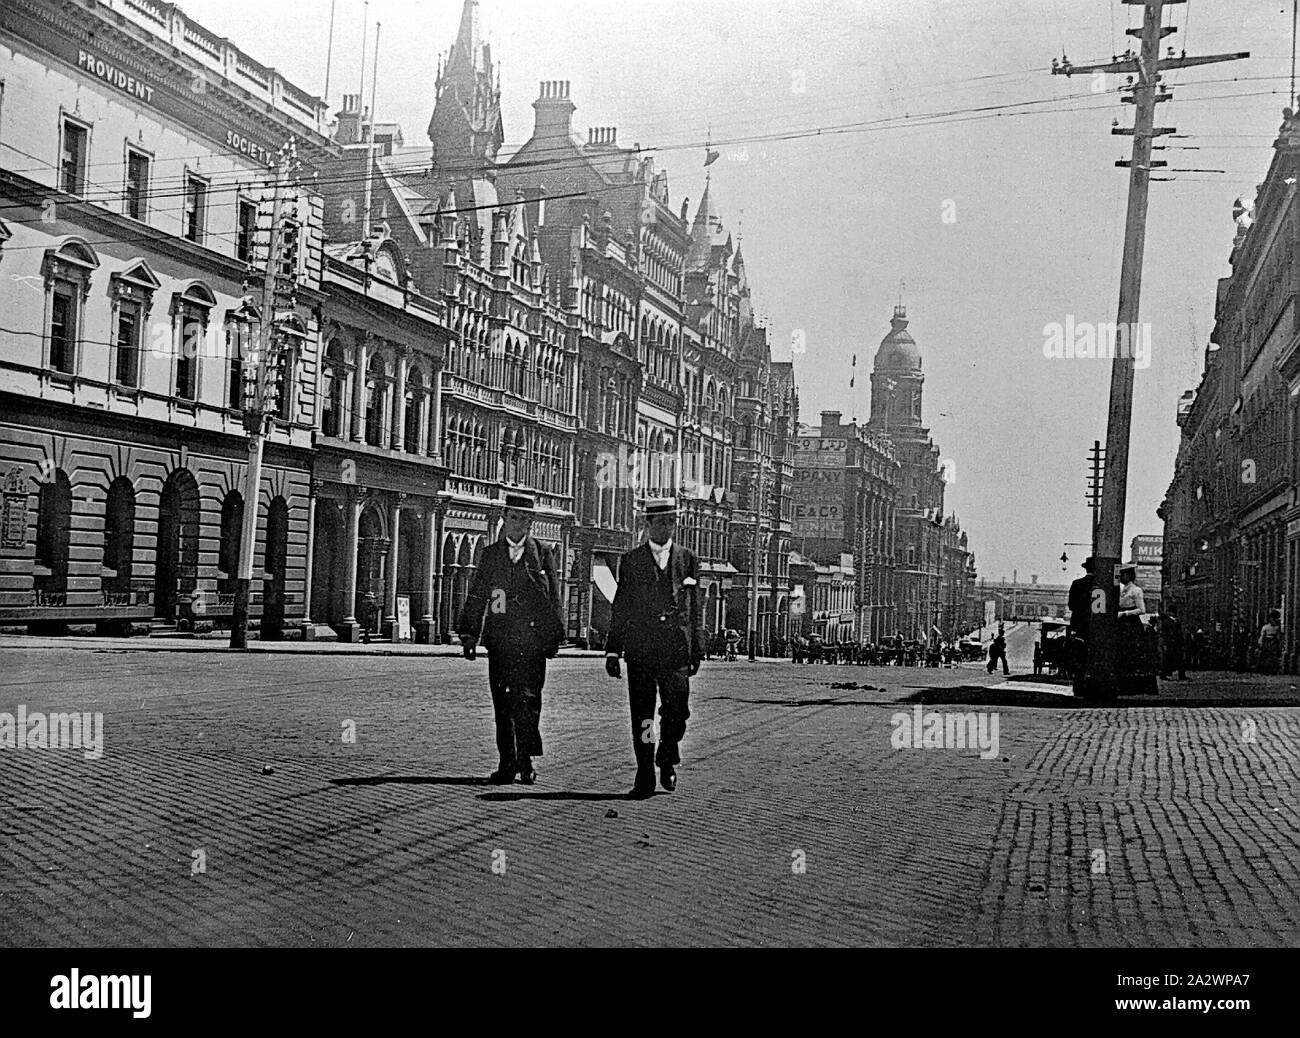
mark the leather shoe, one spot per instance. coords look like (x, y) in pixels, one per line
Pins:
(644, 788)
(668, 777)
(526, 773)
(502, 777)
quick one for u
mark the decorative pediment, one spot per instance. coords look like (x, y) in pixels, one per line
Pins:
(290, 324)
(196, 293)
(72, 259)
(138, 281)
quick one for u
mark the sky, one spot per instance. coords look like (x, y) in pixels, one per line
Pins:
(951, 170)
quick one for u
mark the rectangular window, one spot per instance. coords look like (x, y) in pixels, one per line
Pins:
(72, 161)
(195, 217)
(127, 368)
(193, 327)
(137, 185)
(247, 233)
(237, 339)
(63, 328)
(289, 241)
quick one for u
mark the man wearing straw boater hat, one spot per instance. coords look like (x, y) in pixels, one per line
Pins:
(517, 590)
(657, 627)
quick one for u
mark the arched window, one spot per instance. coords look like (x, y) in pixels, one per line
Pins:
(190, 310)
(241, 332)
(53, 538)
(293, 334)
(333, 387)
(68, 268)
(133, 291)
(119, 541)
(376, 387)
(416, 388)
(232, 523)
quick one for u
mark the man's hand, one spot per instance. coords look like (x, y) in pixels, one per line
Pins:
(469, 648)
(612, 667)
(694, 668)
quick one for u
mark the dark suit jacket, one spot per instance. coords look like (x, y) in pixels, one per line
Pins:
(521, 602)
(1080, 602)
(636, 630)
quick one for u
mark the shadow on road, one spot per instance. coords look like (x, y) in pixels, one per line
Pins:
(412, 780)
(979, 695)
(809, 702)
(563, 795)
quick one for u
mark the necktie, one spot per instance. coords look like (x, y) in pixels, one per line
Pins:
(516, 550)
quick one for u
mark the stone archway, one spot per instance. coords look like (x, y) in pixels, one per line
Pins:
(176, 545)
(276, 567)
(327, 577)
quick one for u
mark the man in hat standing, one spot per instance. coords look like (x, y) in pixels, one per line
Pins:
(658, 627)
(514, 603)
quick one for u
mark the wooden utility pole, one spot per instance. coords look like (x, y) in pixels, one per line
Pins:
(1101, 677)
(260, 392)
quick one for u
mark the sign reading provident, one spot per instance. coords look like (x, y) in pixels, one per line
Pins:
(110, 73)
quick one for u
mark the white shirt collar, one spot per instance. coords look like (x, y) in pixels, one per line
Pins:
(659, 549)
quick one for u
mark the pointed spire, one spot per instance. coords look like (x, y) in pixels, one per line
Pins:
(469, 40)
(702, 229)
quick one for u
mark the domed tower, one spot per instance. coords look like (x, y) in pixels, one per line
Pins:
(896, 378)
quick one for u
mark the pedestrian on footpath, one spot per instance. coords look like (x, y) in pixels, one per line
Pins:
(514, 605)
(1171, 645)
(657, 626)
(1270, 643)
(369, 616)
(998, 651)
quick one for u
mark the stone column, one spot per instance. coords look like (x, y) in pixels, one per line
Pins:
(394, 530)
(352, 511)
(362, 358)
(399, 401)
(435, 417)
(431, 581)
(311, 547)
(421, 445)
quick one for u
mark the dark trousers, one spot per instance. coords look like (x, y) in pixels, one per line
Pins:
(645, 682)
(517, 701)
(993, 663)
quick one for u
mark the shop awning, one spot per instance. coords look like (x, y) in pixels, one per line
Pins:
(604, 580)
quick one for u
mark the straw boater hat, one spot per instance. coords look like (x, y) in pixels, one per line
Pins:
(660, 506)
(520, 502)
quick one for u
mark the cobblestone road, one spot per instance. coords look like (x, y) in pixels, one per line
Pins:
(796, 820)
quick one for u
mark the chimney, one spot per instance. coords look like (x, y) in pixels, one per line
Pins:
(831, 423)
(554, 110)
(348, 130)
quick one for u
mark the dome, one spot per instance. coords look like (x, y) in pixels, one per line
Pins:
(898, 350)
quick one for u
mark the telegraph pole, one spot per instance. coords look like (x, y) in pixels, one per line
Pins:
(758, 519)
(1101, 674)
(260, 393)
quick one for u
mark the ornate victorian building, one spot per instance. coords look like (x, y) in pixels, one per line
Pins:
(927, 546)
(135, 149)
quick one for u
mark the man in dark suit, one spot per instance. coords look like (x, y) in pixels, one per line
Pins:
(516, 587)
(1080, 601)
(657, 625)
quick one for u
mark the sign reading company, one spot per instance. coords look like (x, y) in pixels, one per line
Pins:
(110, 73)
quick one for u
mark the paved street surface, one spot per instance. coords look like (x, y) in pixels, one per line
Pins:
(1173, 821)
